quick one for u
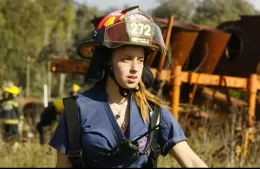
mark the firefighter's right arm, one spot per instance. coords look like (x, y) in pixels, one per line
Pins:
(63, 161)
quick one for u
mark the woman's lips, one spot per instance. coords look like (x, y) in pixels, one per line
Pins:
(132, 79)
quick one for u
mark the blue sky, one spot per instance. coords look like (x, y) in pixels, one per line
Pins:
(144, 4)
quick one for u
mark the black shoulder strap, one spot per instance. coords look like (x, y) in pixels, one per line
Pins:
(73, 123)
(155, 123)
(153, 138)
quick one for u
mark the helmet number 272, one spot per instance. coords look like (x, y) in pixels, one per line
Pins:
(140, 29)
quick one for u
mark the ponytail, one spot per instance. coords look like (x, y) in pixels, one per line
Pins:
(143, 97)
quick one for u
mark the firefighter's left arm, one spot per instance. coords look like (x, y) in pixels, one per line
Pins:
(185, 156)
(172, 140)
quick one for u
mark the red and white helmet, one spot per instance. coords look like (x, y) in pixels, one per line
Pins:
(130, 26)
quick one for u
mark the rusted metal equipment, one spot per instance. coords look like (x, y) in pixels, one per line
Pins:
(250, 84)
(208, 49)
(182, 39)
(167, 32)
(195, 48)
(206, 53)
(258, 69)
(203, 45)
(241, 56)
(216, 95)
(62, 65)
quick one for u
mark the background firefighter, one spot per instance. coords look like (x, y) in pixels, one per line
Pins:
(51, 114)
(11, 114)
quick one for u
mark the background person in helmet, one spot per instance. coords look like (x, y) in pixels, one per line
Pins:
(51, 115)
(74, 90)
(11, 114)
(117, 108)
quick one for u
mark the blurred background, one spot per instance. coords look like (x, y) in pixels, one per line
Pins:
(32, 32)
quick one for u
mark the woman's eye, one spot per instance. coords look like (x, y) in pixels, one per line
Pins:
(141, 60)
(126, 60)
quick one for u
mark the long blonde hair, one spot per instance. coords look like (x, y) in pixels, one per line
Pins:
(142, 99)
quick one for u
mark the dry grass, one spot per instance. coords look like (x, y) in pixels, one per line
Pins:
(204, 142)
(28, 155)
(34, 155)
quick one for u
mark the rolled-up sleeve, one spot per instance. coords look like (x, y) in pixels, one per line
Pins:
(59, 139)
(170, 133)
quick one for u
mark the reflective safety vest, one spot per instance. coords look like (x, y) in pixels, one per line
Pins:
(58, 105)
(10, 112)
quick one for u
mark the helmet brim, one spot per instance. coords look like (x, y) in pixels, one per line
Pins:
(86, 49)
(138, 33)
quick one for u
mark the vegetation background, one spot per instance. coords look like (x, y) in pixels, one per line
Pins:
(31, 31)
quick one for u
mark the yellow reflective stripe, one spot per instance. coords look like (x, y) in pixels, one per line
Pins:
(110, 21)
(14, 103)
(122, 17)
(11, 102)
(11, 121)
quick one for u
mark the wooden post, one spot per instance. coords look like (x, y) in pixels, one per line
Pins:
(167, 37)
(252, 90)
(167, 42)
(28, 72)
(176, 91)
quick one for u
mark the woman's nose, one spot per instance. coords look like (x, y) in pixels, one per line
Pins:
(134, 65)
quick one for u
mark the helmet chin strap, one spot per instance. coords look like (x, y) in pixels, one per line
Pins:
(123, 91)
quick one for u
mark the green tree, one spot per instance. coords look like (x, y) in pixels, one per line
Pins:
(214, 12)
(36, 29)
(21, 33)
(74, 26)
(182, 10)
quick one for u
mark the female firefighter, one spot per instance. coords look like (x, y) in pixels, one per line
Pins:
(11, 115)
(115, 113)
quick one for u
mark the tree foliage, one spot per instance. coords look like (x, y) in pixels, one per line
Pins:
(39, 29)
(182, 10)
(214, 12)
(207, 12)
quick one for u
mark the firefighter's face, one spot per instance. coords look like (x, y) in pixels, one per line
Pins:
(127, 64)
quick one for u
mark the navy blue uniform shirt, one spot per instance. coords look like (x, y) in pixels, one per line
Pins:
(100, 131)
